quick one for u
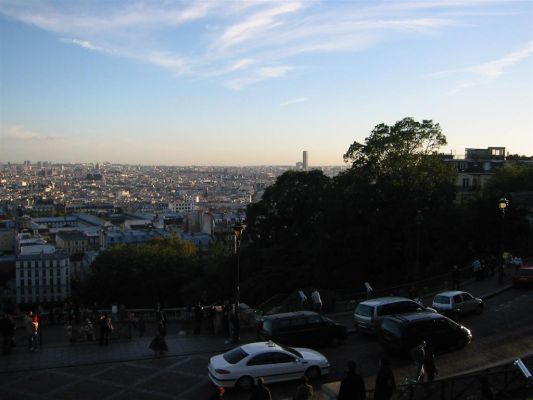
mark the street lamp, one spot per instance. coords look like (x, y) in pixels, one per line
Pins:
(503, 203)
(418, 221)
(237, 230)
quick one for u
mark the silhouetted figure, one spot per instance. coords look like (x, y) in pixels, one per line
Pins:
(260, 391)
(429, 363)
(105, 329)
(352, 385)
(385, 382)
(304, 391)
(159, 344)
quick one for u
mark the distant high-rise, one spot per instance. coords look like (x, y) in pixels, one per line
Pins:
(305, 161)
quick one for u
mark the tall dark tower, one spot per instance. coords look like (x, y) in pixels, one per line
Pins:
(305, 161)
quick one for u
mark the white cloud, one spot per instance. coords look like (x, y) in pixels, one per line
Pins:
(293, 101)
(493, 69)
(242, 64)
(256, 24)
(258, 75)
(484, 72)
(231, 37)
(169, 61)
(85, 44)
(21, 133)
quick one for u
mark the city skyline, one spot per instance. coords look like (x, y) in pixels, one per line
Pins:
(255, 83)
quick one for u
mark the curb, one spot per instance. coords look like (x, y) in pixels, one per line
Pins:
(496, 292)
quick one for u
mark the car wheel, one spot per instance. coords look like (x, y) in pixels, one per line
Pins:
(479, 309)
(313, 373)
(245, 383)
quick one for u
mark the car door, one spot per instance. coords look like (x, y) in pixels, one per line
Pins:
(316, 330)
(269, 366)
(469, 303)
(457, 304)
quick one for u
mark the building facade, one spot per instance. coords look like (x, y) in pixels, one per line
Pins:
(42, 278)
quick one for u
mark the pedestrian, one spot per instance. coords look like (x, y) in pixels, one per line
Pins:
(7, 330)
(88, 329)
(31, 331)
(352, 385)
(456, 278)
(317, 301)
(304, 391)
(429, 363)
(235, 325)
(106, 327)
(418, 354)
(141, 325)
(260, 391)
(385, 382)
(476, 269)
(159, 344)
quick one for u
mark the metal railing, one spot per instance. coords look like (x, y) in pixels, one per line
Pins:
(503, 382)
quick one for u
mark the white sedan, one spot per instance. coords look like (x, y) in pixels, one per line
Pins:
(242, 366)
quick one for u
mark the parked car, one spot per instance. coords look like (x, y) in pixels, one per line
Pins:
(241, 366)
(455, 303)
(400, 333)
(369, 313)
(302, 328)
(523, 277)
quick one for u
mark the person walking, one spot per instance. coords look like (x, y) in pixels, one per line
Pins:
(106, 328)
(31, 331)
(304, 391)
(456, 278)
(429, 363)
(317, 301)
(159, 344)
(418, 354)
(260, 391)
(352, 385)
(385, 382)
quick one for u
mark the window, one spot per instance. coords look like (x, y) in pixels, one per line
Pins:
(280, 358)
(442, 300)
(457, 299)
(466, 183)
(235, 355)
(364, 310)
(467, 297)
(262, 359)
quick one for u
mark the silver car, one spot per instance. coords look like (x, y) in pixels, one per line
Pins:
(455, 303)
(369, 314)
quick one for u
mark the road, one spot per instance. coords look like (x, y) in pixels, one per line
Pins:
(503, 331)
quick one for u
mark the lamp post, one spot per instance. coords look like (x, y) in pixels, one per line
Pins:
(503, 203)
(237, 230)
(418, 221)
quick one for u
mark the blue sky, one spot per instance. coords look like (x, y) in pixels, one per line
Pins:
(257, 82)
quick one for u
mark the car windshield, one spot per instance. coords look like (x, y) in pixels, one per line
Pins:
(442, 300)
(364, 310)
(235, 355)
(291, 350)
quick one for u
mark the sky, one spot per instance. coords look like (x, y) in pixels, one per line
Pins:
(257, 82)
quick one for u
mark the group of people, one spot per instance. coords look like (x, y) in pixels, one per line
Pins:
(316, 301)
